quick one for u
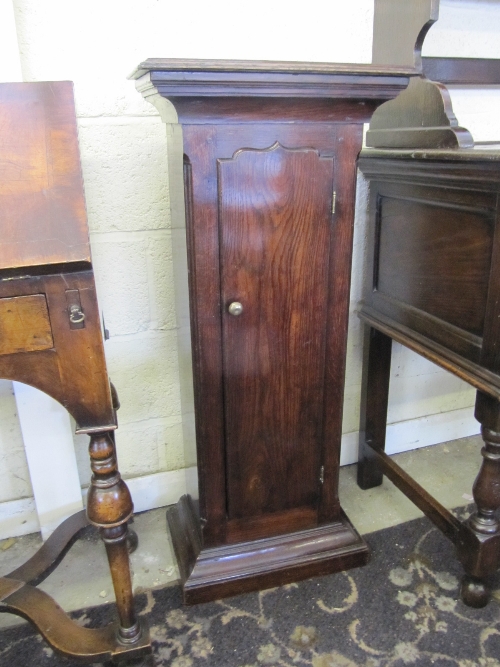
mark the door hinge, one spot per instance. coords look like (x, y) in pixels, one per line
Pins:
(322, 474)
(334, 201)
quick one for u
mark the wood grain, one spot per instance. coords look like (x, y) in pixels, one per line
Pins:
(428, 250)
(72, 368)
(432, 230)
(232, 569)
(275, 221)
(42, 209)
(349, 138)
(433, 284)
(275, 523)
(192, 110)
(24, 324)
(204, 145)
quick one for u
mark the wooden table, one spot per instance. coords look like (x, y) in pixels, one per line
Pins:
(50, 338)
(433, 284)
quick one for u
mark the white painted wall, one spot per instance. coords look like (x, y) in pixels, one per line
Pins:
(96, 43)
(47, 435)
(470, 29)
(465, 29)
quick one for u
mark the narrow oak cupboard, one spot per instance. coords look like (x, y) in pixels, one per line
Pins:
(269, 178)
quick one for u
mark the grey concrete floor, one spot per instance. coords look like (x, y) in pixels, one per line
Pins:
(447, 471)
(82, 579)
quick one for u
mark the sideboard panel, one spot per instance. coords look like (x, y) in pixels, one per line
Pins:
(426, 248)
(275, 224)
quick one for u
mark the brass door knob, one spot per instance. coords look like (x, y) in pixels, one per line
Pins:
(235, 308)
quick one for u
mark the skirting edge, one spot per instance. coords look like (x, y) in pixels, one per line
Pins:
(217, 572)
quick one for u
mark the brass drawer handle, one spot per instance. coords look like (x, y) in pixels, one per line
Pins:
(76, 315)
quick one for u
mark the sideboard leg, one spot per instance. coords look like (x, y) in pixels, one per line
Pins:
(479, 543)
(374, 397)
(115, 540)
(109, 507)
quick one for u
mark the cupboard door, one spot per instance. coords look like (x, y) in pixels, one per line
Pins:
(275, 222)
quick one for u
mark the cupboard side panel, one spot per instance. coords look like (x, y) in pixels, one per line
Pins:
(204, 294)
(348, 141)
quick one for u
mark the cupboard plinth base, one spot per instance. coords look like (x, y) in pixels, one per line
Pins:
(211, 573)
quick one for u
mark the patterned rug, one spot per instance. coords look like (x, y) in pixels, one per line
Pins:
(401, 609)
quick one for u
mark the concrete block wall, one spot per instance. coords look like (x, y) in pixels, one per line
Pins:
(124, 158)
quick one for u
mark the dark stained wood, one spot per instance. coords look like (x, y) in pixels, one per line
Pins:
(433, 284)
(233, 569)
(270, 188)
(204, 146)
(490, 351)
(420, 117)
(432, 230)
(240, 68)
(275, 226)
(343, 85)
(224, 111)
(453, 162)
(50, 338)
(374, 399)
(471, 372)
(42, 208)
(205, 272)
(425, 248)
(109, 508)
(463, 71)
(232, 91)
(205, 309)
(478, 545)
(338, 308)
(183, 520)
(271, 523)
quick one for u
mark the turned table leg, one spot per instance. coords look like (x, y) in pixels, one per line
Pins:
(109, 507)
(374, 397)
(479, 543)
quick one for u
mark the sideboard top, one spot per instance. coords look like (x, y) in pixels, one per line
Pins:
(481, 152)
(177, 79)
(266, 66)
